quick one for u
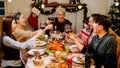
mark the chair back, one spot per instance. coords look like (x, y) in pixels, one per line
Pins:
(118, 46)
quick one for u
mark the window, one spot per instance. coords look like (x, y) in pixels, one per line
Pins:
(2, 8)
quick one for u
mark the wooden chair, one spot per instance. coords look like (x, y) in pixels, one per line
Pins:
(118, 46)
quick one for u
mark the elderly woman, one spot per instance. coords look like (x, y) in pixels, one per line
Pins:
(20, 33)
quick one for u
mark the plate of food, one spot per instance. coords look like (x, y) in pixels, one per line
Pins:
(53, 47)
(79, 59)
(40, 43)
(42, 37)
(36, 52)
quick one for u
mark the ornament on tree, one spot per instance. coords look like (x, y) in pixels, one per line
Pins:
(33, 18)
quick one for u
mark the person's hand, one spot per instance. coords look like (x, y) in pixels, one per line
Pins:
(48, 22)
(49, 26)
(70, 36)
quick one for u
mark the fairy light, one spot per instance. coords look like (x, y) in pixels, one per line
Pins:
(42, 5)
(79, 6)
(116, 3)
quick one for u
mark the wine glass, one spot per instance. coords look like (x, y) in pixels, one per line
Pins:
(51, 18)
(67, 28)
(42, 25)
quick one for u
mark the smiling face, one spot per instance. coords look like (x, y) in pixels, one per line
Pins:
(86, 26)
(91, 21)
(97, 28)
(61, 16)
(14, 25)
(21, 20)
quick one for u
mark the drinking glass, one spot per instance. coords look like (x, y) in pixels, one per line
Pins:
(51, 18)
(67, 28)
(42, 25)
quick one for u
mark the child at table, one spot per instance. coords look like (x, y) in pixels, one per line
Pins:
(85, 32)
(10, 46)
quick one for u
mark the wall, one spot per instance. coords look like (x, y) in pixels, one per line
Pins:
(94, 6)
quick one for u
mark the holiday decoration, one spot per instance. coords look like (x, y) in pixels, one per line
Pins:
(114, 14)
(33, 18)
(76, 8)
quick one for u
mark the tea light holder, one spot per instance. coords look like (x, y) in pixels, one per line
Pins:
(57, 53)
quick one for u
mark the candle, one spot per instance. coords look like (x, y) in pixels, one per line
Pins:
(57, 53)
(69, 59)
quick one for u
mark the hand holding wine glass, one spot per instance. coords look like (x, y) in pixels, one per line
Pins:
(42, 25)
(51, 19)
(67, 28)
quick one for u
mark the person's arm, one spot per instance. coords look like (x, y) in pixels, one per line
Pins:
(76, 41)
(35, 32)
(17, 45)
(110, 54)
(49, 26)
(20, 34)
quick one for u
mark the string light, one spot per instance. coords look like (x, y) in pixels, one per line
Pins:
(42, 5)
(116, 3)
(79, 6)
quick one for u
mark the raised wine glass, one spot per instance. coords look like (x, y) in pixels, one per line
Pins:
(42, 25)
(67, 28)
(51, 18)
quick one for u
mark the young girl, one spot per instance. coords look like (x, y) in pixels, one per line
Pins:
(85, 32)
(10, 46)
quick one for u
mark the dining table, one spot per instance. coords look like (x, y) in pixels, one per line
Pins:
(41, 46)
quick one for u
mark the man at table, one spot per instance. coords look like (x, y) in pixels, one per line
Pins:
(103, 46)
(60, 21)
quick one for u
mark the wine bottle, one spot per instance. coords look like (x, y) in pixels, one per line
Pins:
(87, 60)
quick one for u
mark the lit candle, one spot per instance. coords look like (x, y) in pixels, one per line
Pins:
(69, 59)
(57, 53)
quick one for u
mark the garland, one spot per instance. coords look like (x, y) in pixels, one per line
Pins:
(68, 9)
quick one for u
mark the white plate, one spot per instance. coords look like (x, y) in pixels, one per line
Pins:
(72, 46)
(31, 52)
(40, 43)
(77, 61)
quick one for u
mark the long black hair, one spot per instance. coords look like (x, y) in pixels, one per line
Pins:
(7, 25)
(6, 29)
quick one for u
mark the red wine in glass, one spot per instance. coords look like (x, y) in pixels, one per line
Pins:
(42, 25)
(52, 19)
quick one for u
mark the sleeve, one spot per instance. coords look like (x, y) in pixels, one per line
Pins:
(110, 53)
(17, 45)
(79, 34)
(21, 34)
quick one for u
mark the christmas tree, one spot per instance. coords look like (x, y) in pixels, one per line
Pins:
(114, 14)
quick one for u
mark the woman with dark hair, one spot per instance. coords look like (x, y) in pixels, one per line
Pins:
(103, 46)
(10, 46)
(20, 33)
